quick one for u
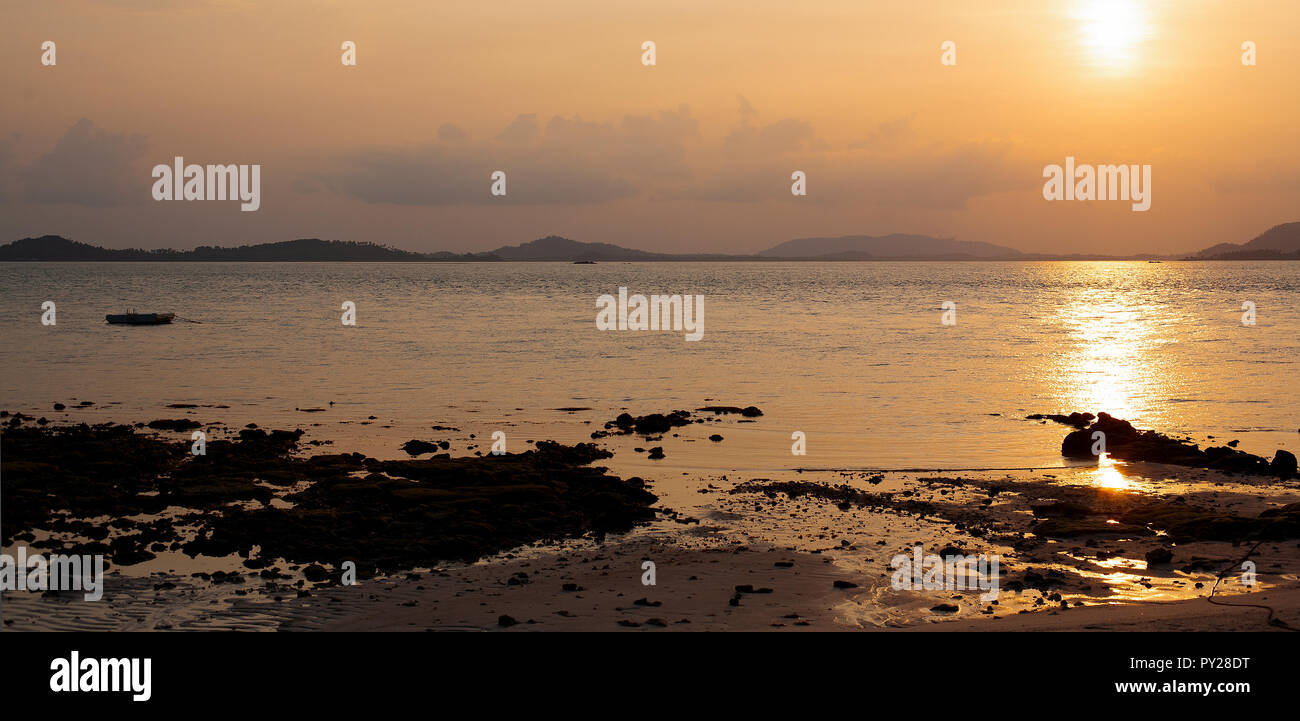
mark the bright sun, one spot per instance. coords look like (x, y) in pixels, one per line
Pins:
(1111, 30)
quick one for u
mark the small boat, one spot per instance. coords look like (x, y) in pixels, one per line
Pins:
(140, 318)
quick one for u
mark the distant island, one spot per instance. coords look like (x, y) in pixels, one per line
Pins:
(1281, 242)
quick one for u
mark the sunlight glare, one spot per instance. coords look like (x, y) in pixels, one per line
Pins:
(1111, 30)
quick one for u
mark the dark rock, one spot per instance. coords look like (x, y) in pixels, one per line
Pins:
(1159, 556)
(1077, 420)
(416, 447)
(177, 424)
(315, 573)
(1284, 464)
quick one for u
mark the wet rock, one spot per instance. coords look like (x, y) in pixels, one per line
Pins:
(1073, 528)
(1062, 509)
(715, 438)
(416, 447)
(1284, 464)
(945, 608)
(844, 584)
(649, 425)
(656, 452)
(505, 621)
(401, 514)
(1125, 442)
(747, 412)
(315, 573)
(1159, 556)
(1077, 420)
(176, 424)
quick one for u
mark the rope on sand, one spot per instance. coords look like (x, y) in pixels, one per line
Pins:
(1272, 612)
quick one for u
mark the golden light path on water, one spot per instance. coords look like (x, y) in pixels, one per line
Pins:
(1115, 341)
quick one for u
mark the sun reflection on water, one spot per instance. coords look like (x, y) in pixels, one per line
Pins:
(1108, 476)
(1114, 338)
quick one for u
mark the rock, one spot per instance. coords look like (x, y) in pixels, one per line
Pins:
(59, 406)
(315, 573)
(1077, 420)
(747, 412)
(844, 584)
(1062, 509)
(944, 608)
(715, 438)
(1159, 556)
(647, 602)
(177, 424)
(416, 447)
(1125, 442)
(651, 424)
(505, 621)
(656, 452)
(1284, 464)
(1071, 528)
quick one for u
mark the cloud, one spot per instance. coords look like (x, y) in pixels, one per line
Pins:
(1271, 180)
(89, 166)
(566, 161)
(569, 160)
(887, 169)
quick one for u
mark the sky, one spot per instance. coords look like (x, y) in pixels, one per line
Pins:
(692, 154)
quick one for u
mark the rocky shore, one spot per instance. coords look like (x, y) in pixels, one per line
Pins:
(547, 539)
(254, 491)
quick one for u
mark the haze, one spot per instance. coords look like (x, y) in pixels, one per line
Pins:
(693, 154)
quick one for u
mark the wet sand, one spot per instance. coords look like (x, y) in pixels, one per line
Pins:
(784, 553)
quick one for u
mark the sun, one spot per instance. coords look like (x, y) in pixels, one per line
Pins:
(1111, 30)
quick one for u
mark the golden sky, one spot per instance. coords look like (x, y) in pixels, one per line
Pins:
(692, 154)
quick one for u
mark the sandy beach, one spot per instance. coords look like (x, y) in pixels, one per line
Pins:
(803, 549)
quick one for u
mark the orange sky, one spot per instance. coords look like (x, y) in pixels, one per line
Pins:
(692, 154)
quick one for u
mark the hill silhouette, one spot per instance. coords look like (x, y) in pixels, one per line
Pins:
(58, 248)
(1281, 242)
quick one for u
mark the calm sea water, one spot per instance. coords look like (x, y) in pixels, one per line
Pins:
(852, 354)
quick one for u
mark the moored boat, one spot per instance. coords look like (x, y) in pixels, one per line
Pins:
(140, 318)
